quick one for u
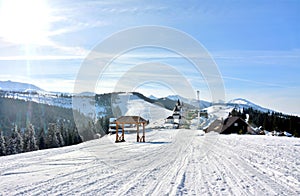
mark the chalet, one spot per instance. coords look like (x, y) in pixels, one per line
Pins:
(230, 125)
(175, 120)
(170, 120)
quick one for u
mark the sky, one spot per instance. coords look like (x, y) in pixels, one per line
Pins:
(255, 45)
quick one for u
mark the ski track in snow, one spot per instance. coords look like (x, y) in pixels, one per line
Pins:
(171, 162)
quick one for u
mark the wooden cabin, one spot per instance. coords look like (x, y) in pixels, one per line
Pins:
(229, 125)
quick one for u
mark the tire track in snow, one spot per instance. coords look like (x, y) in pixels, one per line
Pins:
(187, 164)
(165, 167)
(259, 178)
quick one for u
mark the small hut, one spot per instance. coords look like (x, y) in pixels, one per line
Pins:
(130, 120)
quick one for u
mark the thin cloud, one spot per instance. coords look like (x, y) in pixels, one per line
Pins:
(39, 57)
(257, 82)
(259, 56)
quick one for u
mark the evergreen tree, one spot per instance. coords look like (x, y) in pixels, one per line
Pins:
(2, 145)
(19, 141)
(59, 137)
(11, 145)
(52, 141)
(29, 139)
(15, 142)
(41, 139)
(77, 138)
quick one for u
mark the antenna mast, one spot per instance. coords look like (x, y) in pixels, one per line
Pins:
(198, 97)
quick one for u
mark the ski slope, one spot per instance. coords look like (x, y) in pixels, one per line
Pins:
(175, 162)
(132, 105)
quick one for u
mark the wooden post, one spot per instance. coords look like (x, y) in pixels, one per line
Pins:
(123, 133)
(143, 132)
(117, 129)
(137, 133)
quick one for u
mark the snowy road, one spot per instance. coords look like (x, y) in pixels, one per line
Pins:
(174, 162)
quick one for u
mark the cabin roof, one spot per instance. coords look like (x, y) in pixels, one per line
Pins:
(219, 126)
(130, 120)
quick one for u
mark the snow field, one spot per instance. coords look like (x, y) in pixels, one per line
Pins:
(174, 162)
(132, 105)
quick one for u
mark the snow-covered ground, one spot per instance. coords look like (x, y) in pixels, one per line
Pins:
(132, 105)
(175, 162)
(243, 103)
(214, 112)
(42, 97)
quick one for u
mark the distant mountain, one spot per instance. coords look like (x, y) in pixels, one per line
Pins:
(153, 97)
(89, 94)
(192, 102)
(18, 86)
(243, 103)
(18, 90)
(238, 102)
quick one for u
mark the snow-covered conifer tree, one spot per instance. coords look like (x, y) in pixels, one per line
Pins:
(52, 141)
(2, 145)
(15, 142)
(29, 139)
(59, 129)
(19, 141)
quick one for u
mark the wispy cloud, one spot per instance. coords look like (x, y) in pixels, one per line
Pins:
(257, 82)
(259, 57)
(39, 57)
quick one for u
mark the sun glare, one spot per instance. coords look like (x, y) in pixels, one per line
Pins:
(24, 22)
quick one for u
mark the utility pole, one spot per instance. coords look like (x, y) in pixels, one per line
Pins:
(198, 97)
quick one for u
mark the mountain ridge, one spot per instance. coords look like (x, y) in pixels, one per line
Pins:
(244, 103)
(18, 86)
(167, 102)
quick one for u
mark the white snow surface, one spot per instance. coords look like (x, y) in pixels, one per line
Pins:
(171, 162)
(243, 103)
(18, 86)
(132, 105)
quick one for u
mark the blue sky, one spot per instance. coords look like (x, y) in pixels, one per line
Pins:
(256, 44)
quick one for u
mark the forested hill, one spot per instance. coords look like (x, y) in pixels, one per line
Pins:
(27, 126)
(20, 113)
(271, 121)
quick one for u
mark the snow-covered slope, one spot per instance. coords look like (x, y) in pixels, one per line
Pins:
(132, 105)
(31, 92)
(171, 162)
(18, 86)
(238, 102)
(88, 106)
(42, 97)
(193, 102)
(243, 103)
(214, 112)
(153, 97)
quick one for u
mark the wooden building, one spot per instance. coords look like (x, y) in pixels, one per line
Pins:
(130, 120)
(175, 120)
(229, 125)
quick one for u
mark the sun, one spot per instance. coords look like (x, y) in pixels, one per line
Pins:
(24, 22)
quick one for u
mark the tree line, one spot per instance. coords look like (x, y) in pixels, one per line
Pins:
(271, 120)
(57, 135)
(27, 126)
